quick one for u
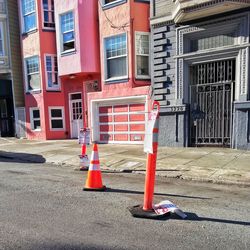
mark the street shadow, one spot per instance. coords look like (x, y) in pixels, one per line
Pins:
(195, 217)
(21, 157)
(123, 191)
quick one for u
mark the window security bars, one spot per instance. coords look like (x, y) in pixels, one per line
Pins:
(212, 89)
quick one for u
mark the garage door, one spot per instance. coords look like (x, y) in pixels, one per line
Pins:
(122, 123)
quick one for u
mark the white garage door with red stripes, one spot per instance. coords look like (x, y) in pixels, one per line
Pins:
(122, 123)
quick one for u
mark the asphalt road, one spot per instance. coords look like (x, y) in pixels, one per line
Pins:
(44, 207)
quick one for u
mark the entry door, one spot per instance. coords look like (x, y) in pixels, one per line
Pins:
(212, 92)
(76, 114)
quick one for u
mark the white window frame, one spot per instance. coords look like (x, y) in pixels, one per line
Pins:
(50, 10)
(26, 73)
(136, 75)
(55, 87)
(30, 13)
(61, 33)
(32, 119)
(112, 4)
(2, 31)
(56, 118)
(106, 60)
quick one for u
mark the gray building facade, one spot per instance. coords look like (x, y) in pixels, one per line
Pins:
(200, 71)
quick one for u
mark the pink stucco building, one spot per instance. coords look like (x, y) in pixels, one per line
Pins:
(60, 53)
(86, 63)
(119, 110)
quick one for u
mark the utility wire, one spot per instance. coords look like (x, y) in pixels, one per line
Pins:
(112, 25)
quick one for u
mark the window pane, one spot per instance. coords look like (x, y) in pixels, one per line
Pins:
(56, 113)
(117, 67)
(68, 46)
(142, 65)
(30, 22)
(116, 46)
(34, 82)
(36, 114)
(69, 36)
(67, 22)
(1, 40)
(50, 81)
(37, 124)
(32, 65)
(28, 6)
(57, 123)
(48, 63)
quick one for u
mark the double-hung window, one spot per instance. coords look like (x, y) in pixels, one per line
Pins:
(67, 32)
(35, 121)
(116, 57)
(56, 115)
(1, 40)
(48, 14)
(29, 15)
(32, 73)
(52, 72)
(142, 55)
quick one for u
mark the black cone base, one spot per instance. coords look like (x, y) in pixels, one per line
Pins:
(137, 211)
(95, 189)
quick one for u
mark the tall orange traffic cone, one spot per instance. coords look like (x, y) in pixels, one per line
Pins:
(94, 179)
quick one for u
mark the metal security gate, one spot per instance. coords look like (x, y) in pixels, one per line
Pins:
(212, 89)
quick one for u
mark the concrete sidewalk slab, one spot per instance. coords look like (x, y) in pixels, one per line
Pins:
(219, 165)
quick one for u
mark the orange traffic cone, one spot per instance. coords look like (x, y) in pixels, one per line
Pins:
(94, 179)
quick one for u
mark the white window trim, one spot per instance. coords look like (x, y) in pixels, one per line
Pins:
(112, 3)
(61, 34)
(26, 74)
(142, 76)
(32, 119)
(54, 87)
(24, 31)
(50, 10)
(56, 118)
(105, 59)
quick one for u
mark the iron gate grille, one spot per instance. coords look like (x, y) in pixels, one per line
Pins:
(212, 88)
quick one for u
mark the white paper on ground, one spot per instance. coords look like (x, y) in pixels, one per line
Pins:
(167, 206)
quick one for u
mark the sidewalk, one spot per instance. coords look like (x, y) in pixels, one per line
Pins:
(218, 165)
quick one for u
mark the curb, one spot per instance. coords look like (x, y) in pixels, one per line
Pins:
(12, 156)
